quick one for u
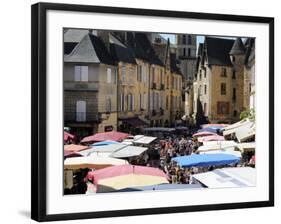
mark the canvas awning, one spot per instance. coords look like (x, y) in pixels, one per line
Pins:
(247, 146)
(105, 136)
(233, 127)
(75, 148)
(230, 151)
(92, 162)
(102, 149)
(228, 177)
(129, 151)
(145, 140)
(245, 132)
(219, 146)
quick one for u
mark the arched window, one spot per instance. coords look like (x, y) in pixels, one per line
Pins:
(81, 110)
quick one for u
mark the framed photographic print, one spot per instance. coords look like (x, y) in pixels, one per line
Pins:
(174, 110)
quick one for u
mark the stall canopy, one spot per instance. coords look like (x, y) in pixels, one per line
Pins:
(245, 132)
(211, 138)
(162, 187)
(204, 133)
(247, 146)
(129, 151)
(228, 177)
(102, 150)
(220, 145)
(105, 136)
(229, 151)
(105, 143)
(219, 126)
(126, 176)
(144, 140)
(75, 148)
(67, 136)
(203, 160)
(92, 162)
(209, 129)
(233, 127)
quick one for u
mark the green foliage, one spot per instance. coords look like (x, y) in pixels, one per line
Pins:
(248, 114)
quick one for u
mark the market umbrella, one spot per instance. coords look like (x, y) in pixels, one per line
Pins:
(92, 162)
(162, 187)
(105, 136)
(203, 160)
(105, 143)
(68, 154)
(214, 125)
(208, 130)
(211, 138)
(204, 133)
(126, 176)
(74, 148)
(67, 136)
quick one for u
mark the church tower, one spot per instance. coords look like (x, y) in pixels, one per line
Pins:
(186, 55)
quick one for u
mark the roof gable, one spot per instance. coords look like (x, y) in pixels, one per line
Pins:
(90, 49)
(217, 50)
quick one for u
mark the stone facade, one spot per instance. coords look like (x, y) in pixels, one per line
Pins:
(186, 54)
(220, 89)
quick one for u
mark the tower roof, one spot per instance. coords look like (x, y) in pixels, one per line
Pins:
(238, 47)
(217, 50)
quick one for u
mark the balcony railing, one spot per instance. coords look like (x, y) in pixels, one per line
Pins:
(82, 116)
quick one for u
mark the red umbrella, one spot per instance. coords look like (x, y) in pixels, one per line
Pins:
(105, 136)
(67, 136)
(126, 176)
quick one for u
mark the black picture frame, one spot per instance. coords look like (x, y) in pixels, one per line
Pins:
(38, 108)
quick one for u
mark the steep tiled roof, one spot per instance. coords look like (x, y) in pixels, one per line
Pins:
(217, 50)
(238, 47)
(145, 50)
(90, 49)
(174, 67)
(74, 35)
(123, 54)
(250, 50)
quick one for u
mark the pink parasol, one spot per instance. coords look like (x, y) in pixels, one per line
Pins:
(216, 125)
(211, 138)
(126, 176)
(203, 133)
(105, 136)
(67, 136)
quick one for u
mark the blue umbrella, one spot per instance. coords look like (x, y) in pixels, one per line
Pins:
(105, 143)
(208, 130)
(215, 127)
(215, 159)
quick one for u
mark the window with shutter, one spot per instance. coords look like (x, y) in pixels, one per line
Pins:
(108, 75)
(81, 110)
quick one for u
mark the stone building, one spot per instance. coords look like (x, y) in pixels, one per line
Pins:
(119, 81)
(219, 83)
(186, 55)
(172, 100)
(90, 88)
(249, 72)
